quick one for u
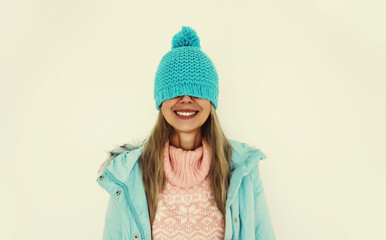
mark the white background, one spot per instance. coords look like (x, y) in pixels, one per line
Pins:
(303, 81)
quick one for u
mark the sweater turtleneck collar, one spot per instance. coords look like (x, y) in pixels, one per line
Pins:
(186, 168)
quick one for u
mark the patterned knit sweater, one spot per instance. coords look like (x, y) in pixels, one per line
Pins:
(186, 207)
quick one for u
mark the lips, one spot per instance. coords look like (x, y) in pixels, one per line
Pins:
(195, 112)
(186, 117)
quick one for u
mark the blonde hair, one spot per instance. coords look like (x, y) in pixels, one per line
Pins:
(151, 165)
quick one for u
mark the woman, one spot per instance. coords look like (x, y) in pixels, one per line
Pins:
(186, 180)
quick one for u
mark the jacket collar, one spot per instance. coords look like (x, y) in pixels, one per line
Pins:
(122, 159)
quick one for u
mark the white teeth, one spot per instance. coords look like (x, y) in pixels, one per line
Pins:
(186, 113)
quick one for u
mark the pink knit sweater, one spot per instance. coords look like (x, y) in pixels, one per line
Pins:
(186, 207)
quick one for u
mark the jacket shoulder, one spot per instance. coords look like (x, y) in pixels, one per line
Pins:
(241, 150)
(116, 153)
(240, 146)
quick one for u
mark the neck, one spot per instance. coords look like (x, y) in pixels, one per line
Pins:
(186, 141)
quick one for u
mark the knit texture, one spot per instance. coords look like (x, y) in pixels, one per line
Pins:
(186, 70)
(186, 207)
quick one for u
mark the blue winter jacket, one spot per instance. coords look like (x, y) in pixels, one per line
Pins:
(127, 217)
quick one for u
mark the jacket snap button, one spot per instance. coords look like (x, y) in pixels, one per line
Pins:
(235, 219)
(118, 192)
(101, 177)
(136, 236)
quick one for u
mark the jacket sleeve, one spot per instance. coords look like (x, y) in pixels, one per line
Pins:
(113, 223)
(263, 224)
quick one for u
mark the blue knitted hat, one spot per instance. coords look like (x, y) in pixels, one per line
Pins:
(186, 70)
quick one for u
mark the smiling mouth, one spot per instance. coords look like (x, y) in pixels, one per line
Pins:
(186, 114)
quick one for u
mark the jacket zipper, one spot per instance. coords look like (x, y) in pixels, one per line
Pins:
(127, 198)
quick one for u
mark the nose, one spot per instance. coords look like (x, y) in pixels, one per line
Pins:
(186, 98)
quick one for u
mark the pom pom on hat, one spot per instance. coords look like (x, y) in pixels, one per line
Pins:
(186, 37)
